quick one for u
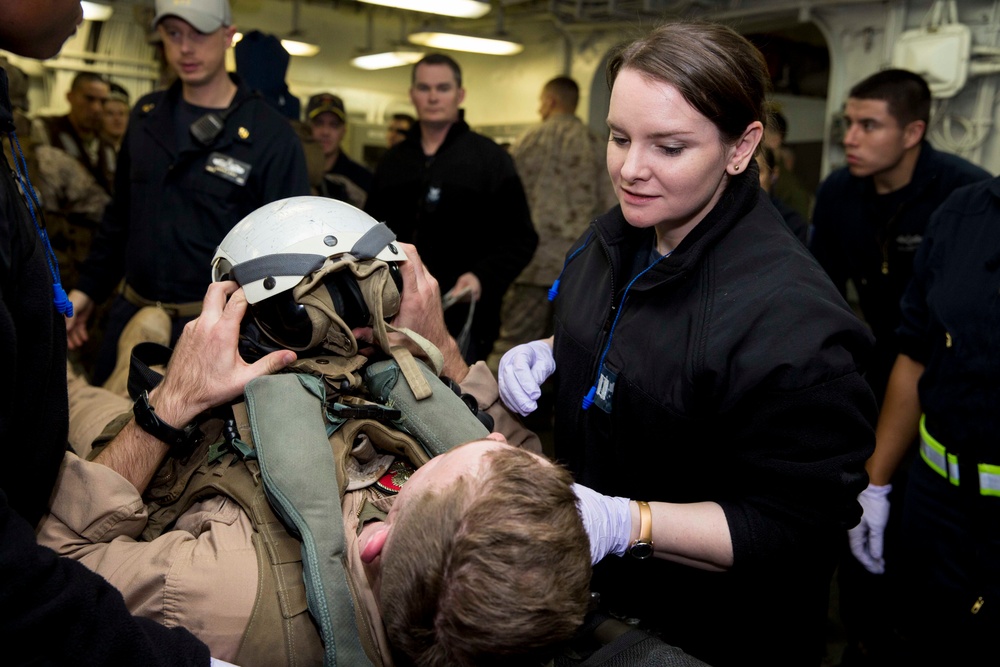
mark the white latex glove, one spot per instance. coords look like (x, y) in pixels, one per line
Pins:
(607, 520)
(867, 537)
(521, 373)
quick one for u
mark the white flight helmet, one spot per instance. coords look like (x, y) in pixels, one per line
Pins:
(313, 269)
(271, 250)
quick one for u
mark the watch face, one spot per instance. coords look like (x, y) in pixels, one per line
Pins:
(641, 550)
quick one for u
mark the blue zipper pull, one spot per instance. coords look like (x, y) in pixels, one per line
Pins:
(63, 304)
(554, 290)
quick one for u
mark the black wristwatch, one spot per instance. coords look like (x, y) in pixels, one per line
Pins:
(146, 419)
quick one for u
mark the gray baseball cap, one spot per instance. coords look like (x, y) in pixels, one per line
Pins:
(205, 16)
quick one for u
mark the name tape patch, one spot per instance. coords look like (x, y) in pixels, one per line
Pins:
(228, 168)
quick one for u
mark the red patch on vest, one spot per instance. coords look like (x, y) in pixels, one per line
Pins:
(392, 481)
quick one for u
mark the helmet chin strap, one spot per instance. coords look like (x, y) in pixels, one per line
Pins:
(373, 289)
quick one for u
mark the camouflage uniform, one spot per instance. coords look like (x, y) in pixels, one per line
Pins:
(71, 200)
(73, 203)
(562, 166)
(98, 156)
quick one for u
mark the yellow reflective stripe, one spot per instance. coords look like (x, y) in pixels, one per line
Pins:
(934, 453)
(989, 479)
(953, 469)
(945, 464)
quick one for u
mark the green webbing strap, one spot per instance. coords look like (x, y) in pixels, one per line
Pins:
(299, 470)
(440, 422)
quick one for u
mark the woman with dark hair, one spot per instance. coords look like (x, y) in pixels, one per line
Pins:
(703, 362)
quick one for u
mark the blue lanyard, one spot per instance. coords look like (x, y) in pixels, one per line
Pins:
(62, 302)
(588, 400)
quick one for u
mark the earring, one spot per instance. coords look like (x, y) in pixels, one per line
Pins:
(736, 167)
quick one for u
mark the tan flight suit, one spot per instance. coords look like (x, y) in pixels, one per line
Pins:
(202, 574)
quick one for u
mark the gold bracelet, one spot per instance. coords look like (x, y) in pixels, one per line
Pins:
(642, 548)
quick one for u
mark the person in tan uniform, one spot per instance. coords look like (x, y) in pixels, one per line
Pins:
(561, 164)
(203, 573)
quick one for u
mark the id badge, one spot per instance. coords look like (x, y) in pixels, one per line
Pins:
(605, 389)
(228, 168)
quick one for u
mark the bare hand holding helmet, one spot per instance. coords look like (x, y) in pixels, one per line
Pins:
(313, 270)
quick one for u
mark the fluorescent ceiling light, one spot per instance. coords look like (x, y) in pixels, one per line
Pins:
(386, 59)
(296, 48)
(455, 42)
(465, 9)
(293, 47)
(93, 11)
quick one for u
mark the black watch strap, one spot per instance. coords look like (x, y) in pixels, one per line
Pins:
(146, 419)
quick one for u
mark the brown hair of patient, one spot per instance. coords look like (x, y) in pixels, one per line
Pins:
(493, 571)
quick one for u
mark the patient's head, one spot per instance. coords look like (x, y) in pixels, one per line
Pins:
(486, 561)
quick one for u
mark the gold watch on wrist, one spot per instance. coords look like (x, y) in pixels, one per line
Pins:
(642, 548)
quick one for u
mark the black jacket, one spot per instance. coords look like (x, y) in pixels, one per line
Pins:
(33, 409)
(951, 322)
(53, 611)
(465, 210)
(853, 239)
(737, 381)
(175, 202)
